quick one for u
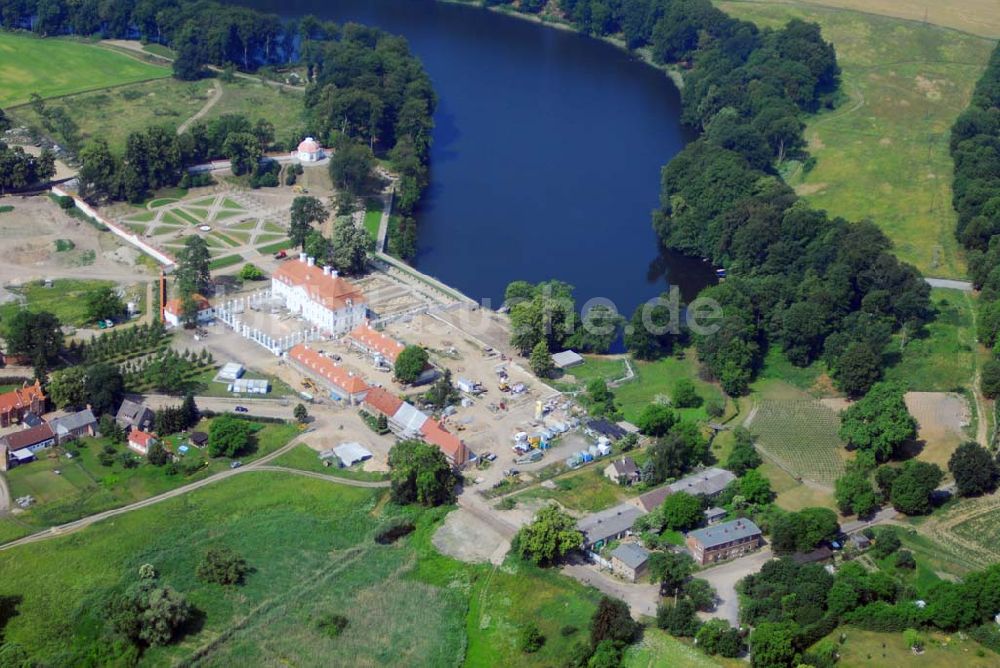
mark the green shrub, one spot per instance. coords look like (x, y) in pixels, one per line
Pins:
(331, 625)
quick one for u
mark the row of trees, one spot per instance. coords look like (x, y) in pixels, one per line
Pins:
(157, 157)
(975, 148)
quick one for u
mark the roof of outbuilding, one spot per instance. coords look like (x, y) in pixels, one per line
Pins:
(376, 341)
(28, 437)
(73, 421)
(631, 555)
(610, 522)
(328, 369)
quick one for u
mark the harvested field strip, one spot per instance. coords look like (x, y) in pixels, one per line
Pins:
(800, 435)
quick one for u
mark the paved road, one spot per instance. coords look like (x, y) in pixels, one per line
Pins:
(261, 464)
(947, 283)
(724, 578)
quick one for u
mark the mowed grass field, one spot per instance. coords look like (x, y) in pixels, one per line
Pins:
(310, 543)
(882, 154)
(53, 67)
(870, 648)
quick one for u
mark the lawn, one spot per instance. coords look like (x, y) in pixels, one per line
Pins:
(594, 366)
(658, 648)
(407, 605)
(586, 491)
(882, 154)
(53, 67)
(870, 648)
(793, 495)
(811, 379)
(800, 434)
(304, 458)
(83, 486)
(225, 261)
(654, 381)
(284, 244)
(64, 299)
(944, 358)
(373, 218)
(256, 101)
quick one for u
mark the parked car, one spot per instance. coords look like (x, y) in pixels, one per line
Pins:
(236, 464)
(280, 255)
(109, 323)
(241, 409)
(489, 456)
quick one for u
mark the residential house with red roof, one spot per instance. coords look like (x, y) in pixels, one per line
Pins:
(140, 441)
(17, 403)
(319, 295)
(342, 384)
(173, 311)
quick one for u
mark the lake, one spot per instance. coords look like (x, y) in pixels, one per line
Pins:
(546, 157)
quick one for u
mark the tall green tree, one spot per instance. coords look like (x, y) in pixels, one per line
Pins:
(913, 488)
(410, 363)
(37, 336)
(551, 535)
(878, 423)
(351, 246)
(243, 151)
(193, 273)
(305, 211)
(974, 469)
(420, 473)
(540, 360)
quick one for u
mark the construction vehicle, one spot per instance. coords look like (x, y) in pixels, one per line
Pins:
(504, 386)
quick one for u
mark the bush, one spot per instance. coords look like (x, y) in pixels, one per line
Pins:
(568, 630)
(394, 532)
(66, 202)
(331, 625)
(685, 395)
(531, 639)
(904, 559)
(222, 566)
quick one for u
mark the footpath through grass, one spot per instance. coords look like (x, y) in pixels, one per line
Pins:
(53, 66)
(406, 604)
(882, 154)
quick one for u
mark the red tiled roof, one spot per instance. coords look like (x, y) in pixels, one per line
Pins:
(376, 341)
(28, 437)
(20, 398)
(174, 306)
(327, 369)
(451, 445)
(141, 438)
(333, 292)
(382, 401)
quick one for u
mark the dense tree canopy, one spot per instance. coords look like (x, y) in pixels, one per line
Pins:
(420, 473)
(550, 535)
(878, 423)
(913, 488)
(974, 469)
(410, 363)
(228, 436)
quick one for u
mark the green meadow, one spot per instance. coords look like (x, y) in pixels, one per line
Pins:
(53, 67)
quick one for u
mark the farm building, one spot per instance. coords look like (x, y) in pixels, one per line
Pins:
(708, 483)
(140, 441)
(198, 439)
(309, 150)
(612, 524)
(724, 541)
(342, 384)
(173, 311)
(630, 561)
(406, 421)
(74, 425)
(714, 515)
(21, 446)
(319, 295)
(134, 415)
(622, 471)
(566, 359)
(351, 453)
(17, 403)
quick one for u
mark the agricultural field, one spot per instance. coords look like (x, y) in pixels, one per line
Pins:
(800, 435)
(965, 533)
(792, 495)
(658, 648)
(882, 154)
(52, 67)
(65, 299)
(66, 489)
(391, 595)
(870, 648)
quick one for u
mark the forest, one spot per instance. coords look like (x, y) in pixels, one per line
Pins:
(975, 147)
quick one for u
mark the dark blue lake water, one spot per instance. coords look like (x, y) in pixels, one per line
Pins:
(546, 157)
